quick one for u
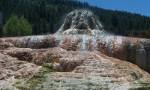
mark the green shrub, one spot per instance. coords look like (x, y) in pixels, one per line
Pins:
(16, 26)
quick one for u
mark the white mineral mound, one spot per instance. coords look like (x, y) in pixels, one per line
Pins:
(81, 22)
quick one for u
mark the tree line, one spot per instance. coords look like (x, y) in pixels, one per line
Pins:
(46, 16)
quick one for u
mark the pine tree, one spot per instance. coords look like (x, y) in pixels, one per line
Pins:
(16, 26)
(11, 27)
(25, 27)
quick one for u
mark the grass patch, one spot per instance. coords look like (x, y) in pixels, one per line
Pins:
(37, 79)
(144, 86)
(141, 88)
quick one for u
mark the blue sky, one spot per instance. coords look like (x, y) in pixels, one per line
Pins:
(136, 6)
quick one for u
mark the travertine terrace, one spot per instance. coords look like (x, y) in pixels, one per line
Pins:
(80, 56)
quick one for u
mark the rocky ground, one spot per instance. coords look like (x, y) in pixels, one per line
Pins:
(59, 69)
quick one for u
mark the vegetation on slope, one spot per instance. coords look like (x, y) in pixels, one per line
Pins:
(37, 79)
(45, 16)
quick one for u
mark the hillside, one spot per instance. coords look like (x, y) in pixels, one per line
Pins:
(81, 55)
(45, 16)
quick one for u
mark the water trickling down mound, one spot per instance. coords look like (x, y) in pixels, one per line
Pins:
(81, 22)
